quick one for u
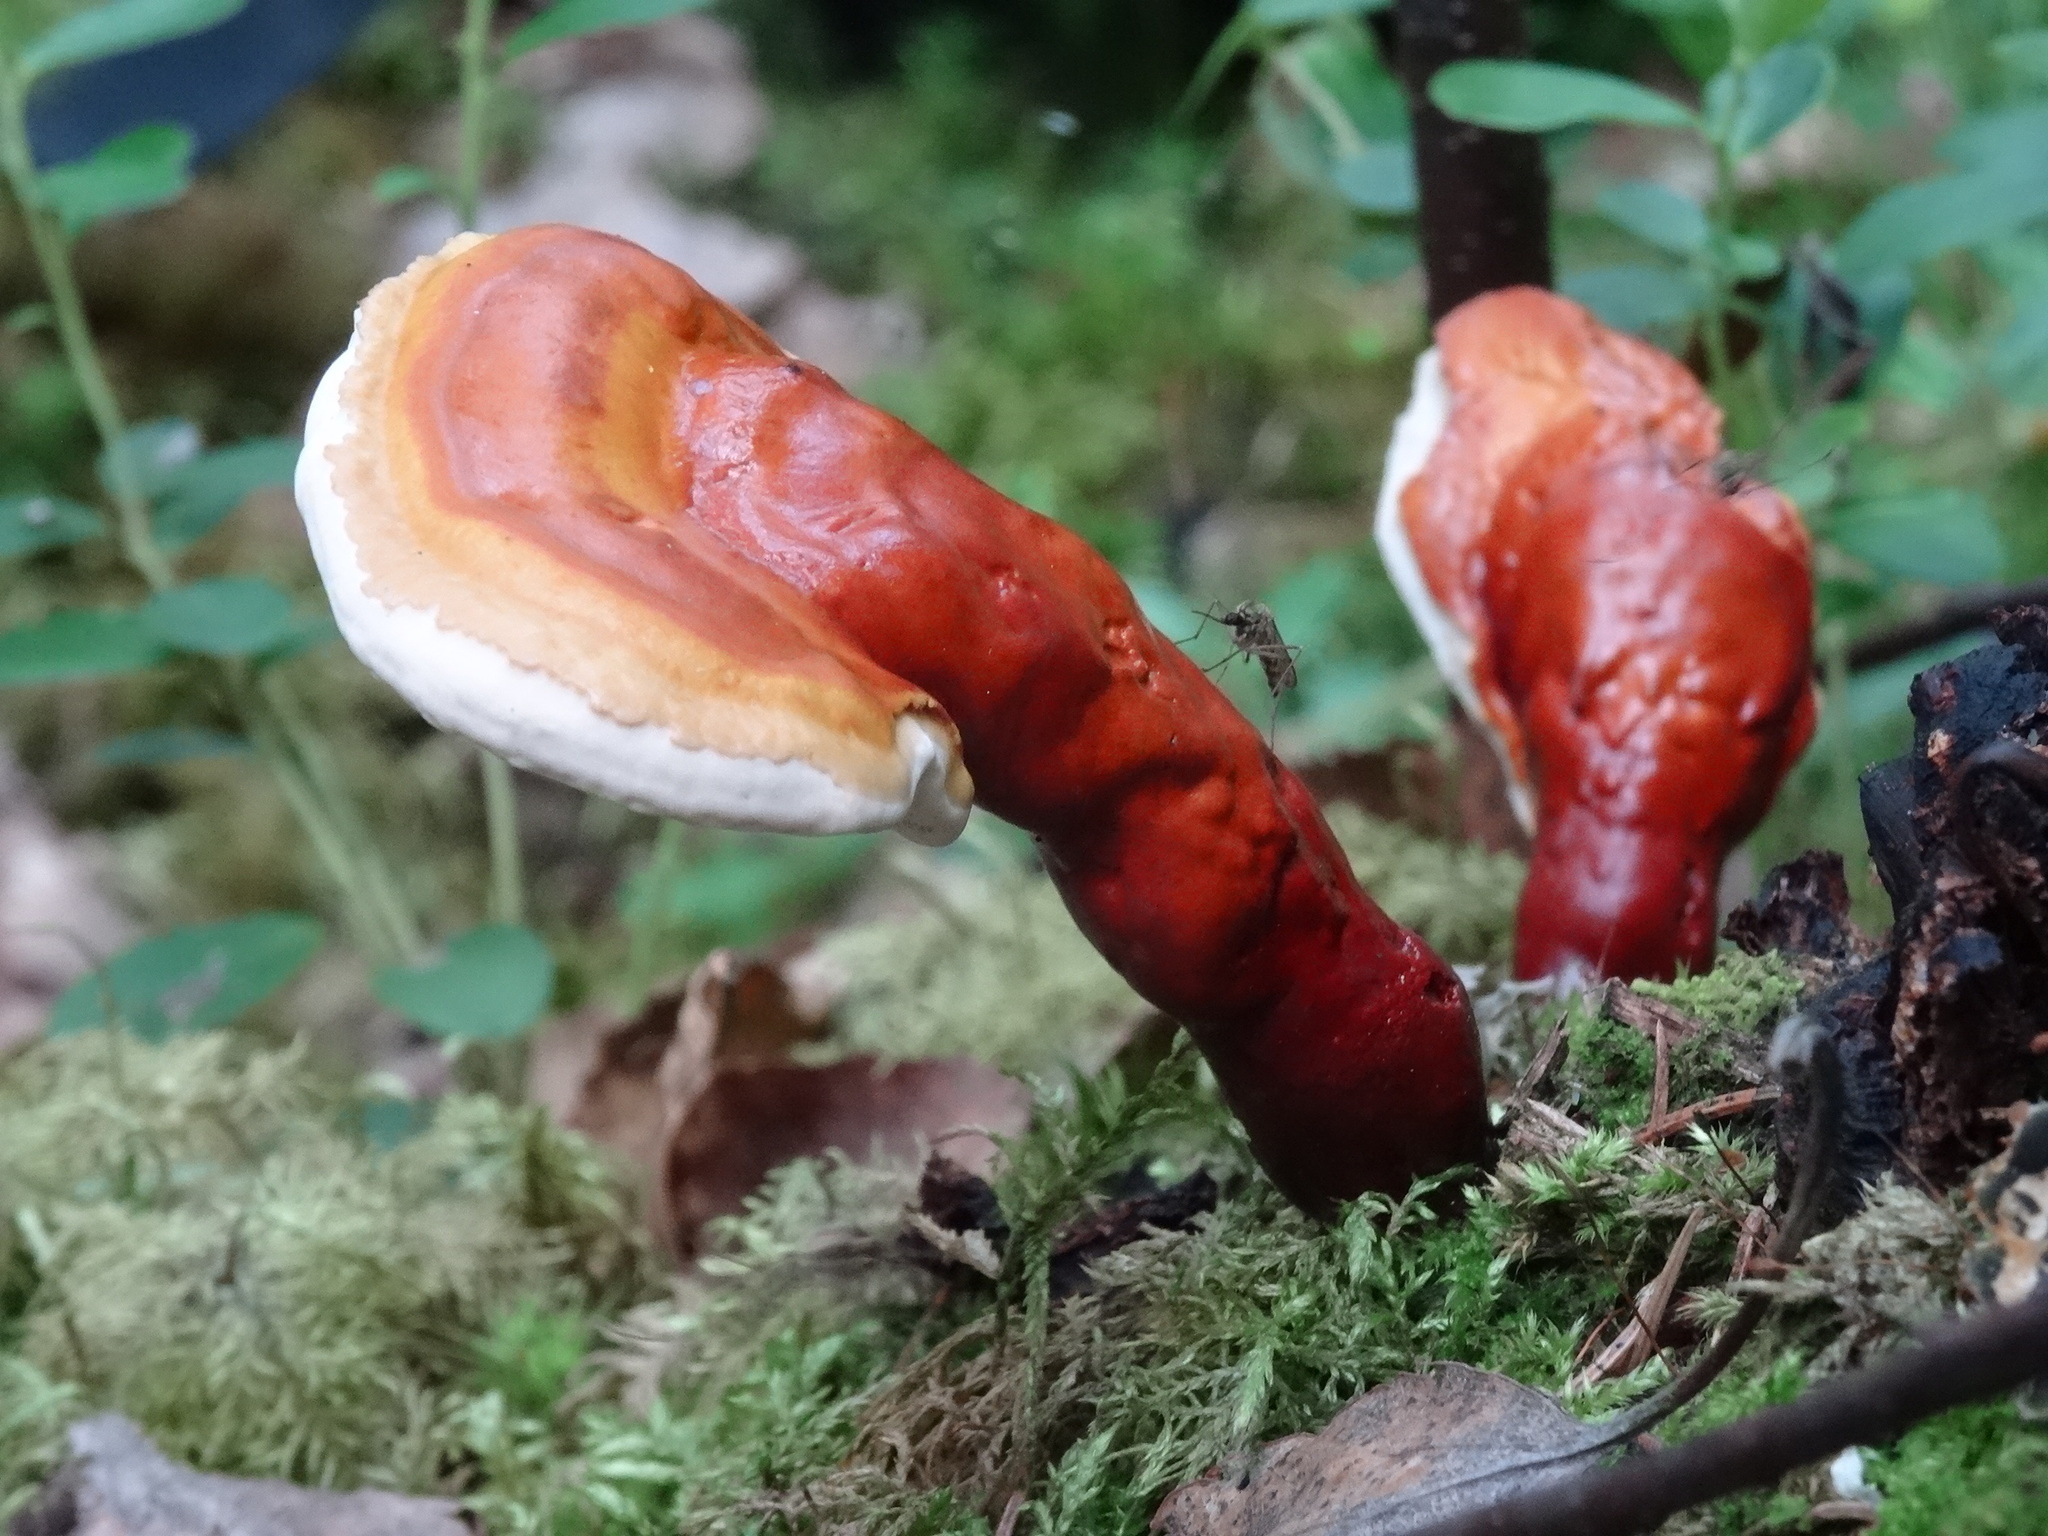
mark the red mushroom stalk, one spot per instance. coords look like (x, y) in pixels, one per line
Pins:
(1633, 631)
(570, 504)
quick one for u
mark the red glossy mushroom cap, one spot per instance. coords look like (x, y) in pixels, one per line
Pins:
(492, 512)
(1636, 640)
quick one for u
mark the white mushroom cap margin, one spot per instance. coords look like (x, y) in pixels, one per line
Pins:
(534, 721)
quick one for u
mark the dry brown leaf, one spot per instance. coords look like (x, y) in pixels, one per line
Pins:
(604, 1077)
(118, 1484)
(750, 1118)
(1414, 1450)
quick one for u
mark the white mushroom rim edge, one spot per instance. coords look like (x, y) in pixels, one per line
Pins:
(1416, 431)
(534, 721)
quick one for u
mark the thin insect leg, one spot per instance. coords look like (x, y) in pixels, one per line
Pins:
(1208, 616)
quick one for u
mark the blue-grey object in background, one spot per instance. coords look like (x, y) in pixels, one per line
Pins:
(219, 83)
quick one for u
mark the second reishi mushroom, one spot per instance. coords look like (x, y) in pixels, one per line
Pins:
(574, 507)
(1633, 632)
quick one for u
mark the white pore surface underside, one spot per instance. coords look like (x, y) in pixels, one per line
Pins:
(463, 685)
(1416, 432)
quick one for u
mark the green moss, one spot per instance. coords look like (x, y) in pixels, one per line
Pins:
(1975, 1471)
(201, 1245)
(1611, 1067)
(1457, 896)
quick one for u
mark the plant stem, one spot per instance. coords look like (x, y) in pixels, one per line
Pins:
(501, 821)
(291, 748)
(501, 800)
(275, 699)
(473, 54)
(643, 925)
(47, 244)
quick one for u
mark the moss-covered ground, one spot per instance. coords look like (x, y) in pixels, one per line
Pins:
(207, 1235)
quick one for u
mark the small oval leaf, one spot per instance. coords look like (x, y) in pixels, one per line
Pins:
(398, 183)
(30, 523)
(144, 169)
(490, 983)
(1776, 91)
(167, 744)
(1923, 219)
(221, 616)
(77, 643)
(194, 496)
(1634, 298)
(120, 26)
(1653, 212)
(1378, 179)
(154, 452)
(576, 18)
(190, 979)
(1293, 13)
(1942, 535)
(2025, 53)
(1527, 97)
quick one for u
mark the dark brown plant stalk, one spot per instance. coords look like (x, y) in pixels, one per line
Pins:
(1485, 194)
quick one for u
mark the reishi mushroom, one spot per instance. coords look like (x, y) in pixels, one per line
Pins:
(571, 505)
(1632, 630)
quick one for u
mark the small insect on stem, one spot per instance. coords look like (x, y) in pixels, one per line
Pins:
(1254, 633)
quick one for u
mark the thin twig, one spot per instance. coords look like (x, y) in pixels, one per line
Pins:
(1963, 1362)
(1720, 1107)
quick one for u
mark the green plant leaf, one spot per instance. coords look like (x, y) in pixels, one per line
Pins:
(221, 616)
(77, 643)
(1942, 535)
(120, 26)
(1292, 13)
(1653, 212)
(575, 18)
(154, 450)
(2010, 135)
(167, 744)
(192, 497)
(2018, 364)
(29, 523)
(1761, 25)
(144, 169)
(307, 632)
(1634, 298)
(24, 318)
(191, 979)
(1380, 256)
(2025, 53)
(1775, 92)
(1746, 257)
(1378, 179)
(1922, 219)
(1527, 97)
(1339, 66)
(397, 183)
(490, 983)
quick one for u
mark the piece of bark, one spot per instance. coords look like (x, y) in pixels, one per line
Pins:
(118, 1484)
(1645, 1014)
(1960, 834)
(1802, 912)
